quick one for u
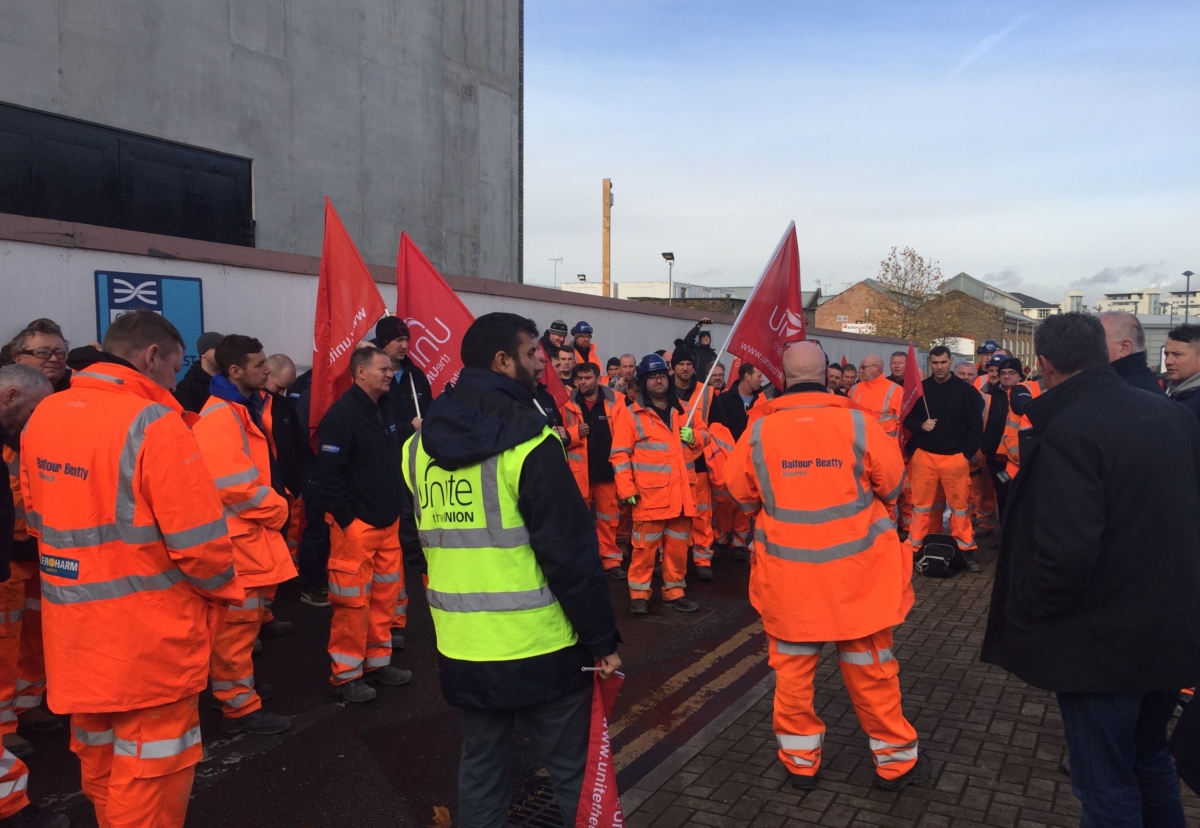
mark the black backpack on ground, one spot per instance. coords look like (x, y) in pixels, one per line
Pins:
(939, 557)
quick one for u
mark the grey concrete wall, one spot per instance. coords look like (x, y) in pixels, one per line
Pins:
(404, 112)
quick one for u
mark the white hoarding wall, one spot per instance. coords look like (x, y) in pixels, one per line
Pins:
(40, 280)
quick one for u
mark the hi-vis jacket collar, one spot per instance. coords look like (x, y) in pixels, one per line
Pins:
(109, 376)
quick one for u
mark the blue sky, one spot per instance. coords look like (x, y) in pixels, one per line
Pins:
(1041, 146)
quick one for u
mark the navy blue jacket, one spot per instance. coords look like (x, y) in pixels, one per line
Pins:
(358, 465)
(1134, 370)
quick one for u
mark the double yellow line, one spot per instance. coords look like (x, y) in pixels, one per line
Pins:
(630, 752)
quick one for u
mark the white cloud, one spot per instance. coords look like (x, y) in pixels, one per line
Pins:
(987, 44)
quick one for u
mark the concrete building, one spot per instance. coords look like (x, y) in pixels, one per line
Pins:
(1144, 302)
(179, 116)
(658, 290)
(1178, 301)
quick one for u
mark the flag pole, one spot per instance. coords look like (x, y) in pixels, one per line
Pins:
(413, 385)
(736, 322)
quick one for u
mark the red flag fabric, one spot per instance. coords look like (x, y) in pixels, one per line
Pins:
(599, 804)
(773, 318)
(913, 391)
(843, 360)
(553, 384)
(436, 317)
(348, 306)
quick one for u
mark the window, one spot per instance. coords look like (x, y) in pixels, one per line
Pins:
(58, 168)
(843, 319)
(1044, 313)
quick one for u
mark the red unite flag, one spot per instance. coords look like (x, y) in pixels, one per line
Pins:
(436, 317)
(913, 391)
(599, 804)
(773, 317)
(348, 306)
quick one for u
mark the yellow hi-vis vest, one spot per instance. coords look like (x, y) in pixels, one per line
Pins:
(487, 594)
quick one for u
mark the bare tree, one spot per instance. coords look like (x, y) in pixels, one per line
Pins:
(918, 311)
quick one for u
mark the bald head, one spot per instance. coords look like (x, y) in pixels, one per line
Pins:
(804, 362)
(871, 366)
(1124, 334)
(283, 373)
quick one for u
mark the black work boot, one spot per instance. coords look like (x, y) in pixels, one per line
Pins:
(918, 773)
(260, 722)
(356, 691)
(31, 816)
(389, 675)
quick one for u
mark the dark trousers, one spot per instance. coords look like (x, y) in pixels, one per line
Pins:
(314, 542)
(559, 729)
(1121, 768)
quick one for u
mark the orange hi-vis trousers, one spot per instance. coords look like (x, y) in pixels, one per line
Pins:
(904, 503)
(953, 473)
(364, 580)
(871, 673)
(673, 537)
(983, 497)
(138, 766)
(22, 662)
(733, 524)
(608, 515)
(400, 618)
(232, 665)
(702, 530)
(14, 778)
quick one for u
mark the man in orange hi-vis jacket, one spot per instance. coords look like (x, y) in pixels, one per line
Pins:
(137, 569)
(828, 565)
(651, 467)
(232, 435)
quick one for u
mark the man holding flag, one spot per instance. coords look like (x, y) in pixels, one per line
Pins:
(946, 427)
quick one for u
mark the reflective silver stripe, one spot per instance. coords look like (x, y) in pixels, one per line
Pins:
(350, 674)
(494, 534)
(377, 661)
(260, 494)
(403, 596)
(923, 510)
(18, 784)
(345, 592)
(603, 517)
(213, 583)
(385, 577)
(802, 762)
(909, 755)
(15, 615)
(204, 533)
(95, 376)
(809, 517)
(7, 761)
(578, 458)
(247, 476)
(639, 585)
(620, 467)
(651, 445)
(791, 741)
(7, 716)
(860, 659)
(797, 649)
(959, 512)
(166, 748)
(248, 681)
(25, 685)
(107, 590)
(345, 660)
(886, 415)
(239, 700)
(92, 535)
(27, 702)
(894, 494)
(251, 603)
(701, 507)
(748, 507)
(662, 468)
(829, 553)
(94, 737)
(217, 407)
(886, 654)
(637, 423)
(647, 536)
(14, 465)
(674, 584)
(491, 601)
(671, 533)
(128, 464)
(33, 604)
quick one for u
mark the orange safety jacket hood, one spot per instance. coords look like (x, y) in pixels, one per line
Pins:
(238, 455)
(134, 554)
(823, 478)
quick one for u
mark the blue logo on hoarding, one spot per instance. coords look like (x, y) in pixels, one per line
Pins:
(179, 298)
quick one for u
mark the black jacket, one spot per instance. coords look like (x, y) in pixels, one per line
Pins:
(359, 461)
(291, 443)
(192, 390)
(1099, 566)
(546, 401)
(400, 398)
(729, 410)
(1187, 394)
(705, 355)
(484, 414)
(1134, 370)
(958, 409)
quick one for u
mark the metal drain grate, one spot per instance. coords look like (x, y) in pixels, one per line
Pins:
(538, 809)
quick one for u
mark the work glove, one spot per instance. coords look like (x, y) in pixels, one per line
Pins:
(631, 500)
(687, 436)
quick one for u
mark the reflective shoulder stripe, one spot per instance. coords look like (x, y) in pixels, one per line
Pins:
(101, 377)
(491, 601)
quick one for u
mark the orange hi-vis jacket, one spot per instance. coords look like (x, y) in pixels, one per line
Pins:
(12, 459)
(717, 449)
(883, 398)
(650, 461)
(135, 556)
(699, 446)
(238, 454)
(828, 564)
(577, 447)
(593, 357)
(1014, 425)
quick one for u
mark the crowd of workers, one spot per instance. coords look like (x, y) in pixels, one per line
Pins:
(167, 521)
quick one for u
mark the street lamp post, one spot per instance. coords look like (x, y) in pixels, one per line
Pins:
(670, 257)
(1187, 295)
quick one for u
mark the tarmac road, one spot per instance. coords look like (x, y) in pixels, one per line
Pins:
(389, 762)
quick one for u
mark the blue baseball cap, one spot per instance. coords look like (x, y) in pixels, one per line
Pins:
(989, 346)
(581, 327)
(652, 364)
